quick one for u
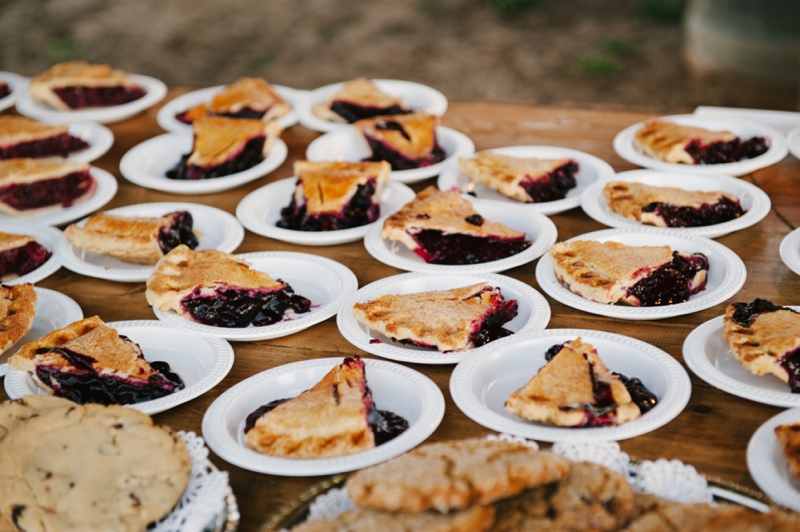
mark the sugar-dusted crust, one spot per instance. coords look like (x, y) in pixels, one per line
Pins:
(359, 91)
(329, 186)
(453, 475)
(475, 519)
(91, 468)
(444, 319)
(667, 141)
(19, 129)
(218, 138)
(11, 241)
(503, 173)
(254, 93)
(17, 311)
(420, 128)
(789, 437)
(76, 74)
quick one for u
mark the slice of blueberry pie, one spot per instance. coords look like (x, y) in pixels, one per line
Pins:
(218, 289)
(447, 320)
(335, 195)
(5, 90)
(765, 338)
(22, 137)
(789, 438)
(138, 240)
(575, 389)
(20, 255)
(444, 228)
(89, 362)
(359, 99)
(28, 186)
(252, 98)
(404, 141)
(79, 85)
(611, 272)
(676, 143)
(17, 311)
(336, 417)
(524, 179)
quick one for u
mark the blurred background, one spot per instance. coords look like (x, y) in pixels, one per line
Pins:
(653, 54)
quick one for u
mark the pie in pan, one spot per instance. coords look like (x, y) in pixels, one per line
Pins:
(358, 99)
(447, 320)
(20, 255)
(444, 228)
(17, 311)
(789, 438)
(252, 98)
(29, 186)
(336, 417)
(76, 85)
(131, 239)
(330, 196)
(404, 141)
(525, 179)
(611, 272)
(216, 288)
(671, 207)
(23, 137)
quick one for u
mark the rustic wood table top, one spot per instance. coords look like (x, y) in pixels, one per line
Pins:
(711, 433)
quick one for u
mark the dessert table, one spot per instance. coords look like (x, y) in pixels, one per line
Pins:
(711, 433)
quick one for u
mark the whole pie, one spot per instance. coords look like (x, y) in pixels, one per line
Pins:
(79, 85)
(447, 320)
(23, 137)
(336, 417)
(671, 207)
(611, 272)
(89, 362)
(224, 146)
(675, 143)
(404, 141)
(216, 288)
(20, 255)
(789, 438)
(138, 240)
(17, 311)
(765, 338)
(335, 195)
(525, 179)
(252, 98)
(359, 99)
(28, 186)
(576, 389)
(444, 228)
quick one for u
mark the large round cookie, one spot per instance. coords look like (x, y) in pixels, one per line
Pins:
(86, 468)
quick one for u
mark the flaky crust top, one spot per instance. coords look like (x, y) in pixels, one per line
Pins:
(487, 166)
(16, 129)
(17, 311)
(218, 138)
(362, 91)
(18, 171)
(328, 186)
(666, 140)
(255, 93)
(628, 199)
(11, 241)
(420, 128)
(82, 73)
(601, 262)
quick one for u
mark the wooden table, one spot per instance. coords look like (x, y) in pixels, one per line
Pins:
(711, 433)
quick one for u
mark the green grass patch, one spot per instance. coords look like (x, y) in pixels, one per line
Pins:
(618, 46)
(596, 66)
(61, 49)
(510, 6)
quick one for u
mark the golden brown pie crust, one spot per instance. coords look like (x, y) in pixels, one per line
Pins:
(360, 91)
(217, 138)
(18, 129)
(329, 186)
(421, 128)
(76, 74)
(503, 173)
(17, 311)
(254, 93)
(667, 141)
(11, 241)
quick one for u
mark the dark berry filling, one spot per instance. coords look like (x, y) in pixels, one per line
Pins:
(554, 186)
(553, 351)
(475, 219)
(60, 145)
(185, 117)
(250, 422)
(5, 90)
(251, 154)
(727, 152)
(233, 307)
(492, 326)
(437, 247)
(352, 112)
(640, 395)
(360, 210)
(791, 363)
(245, 112)
(745, 313)
(384, 152)
(672, 282)
(179, 232)
(707, 214)
(80, 97)
(22, 260)
(62, 191)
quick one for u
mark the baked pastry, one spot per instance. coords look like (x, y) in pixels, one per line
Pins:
(789, 438)
(224, 146)
(358, 99)
(336, 417)
(643, 276)
(138, 240)
(444, 228)
(23, 137)
(5, 90)
(675, 143)
(525, 179)
(28, 186)
(252, 98)
(576, 389)
(78, 85)
(20, 255)
(216, 288)
(335, 195)
(91, 468)
(17, 311)
(404, 141)
(671, 207)
(89, 362)
(447, 320)
(475, 519)
(765, 338)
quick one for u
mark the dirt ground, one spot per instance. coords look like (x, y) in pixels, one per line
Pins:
(556, 52)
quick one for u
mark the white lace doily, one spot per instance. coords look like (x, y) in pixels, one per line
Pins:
(605, 453)
(673, 480)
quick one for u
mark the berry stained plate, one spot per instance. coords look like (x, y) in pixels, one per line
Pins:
(45, 235)
(17, 84)
(767, 465)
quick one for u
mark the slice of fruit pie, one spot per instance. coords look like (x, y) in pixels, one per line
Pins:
(335, 195)
(22, 137)
(404, 141)
(28, 186)
(448, 320)
(336, 417)
(444, 228)
(17, 312)
(79, 85)
(20, 255)
(358, 99)
(218, 289)
(611, 272)
(252, 98)
(576, 389)
(89, 362)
